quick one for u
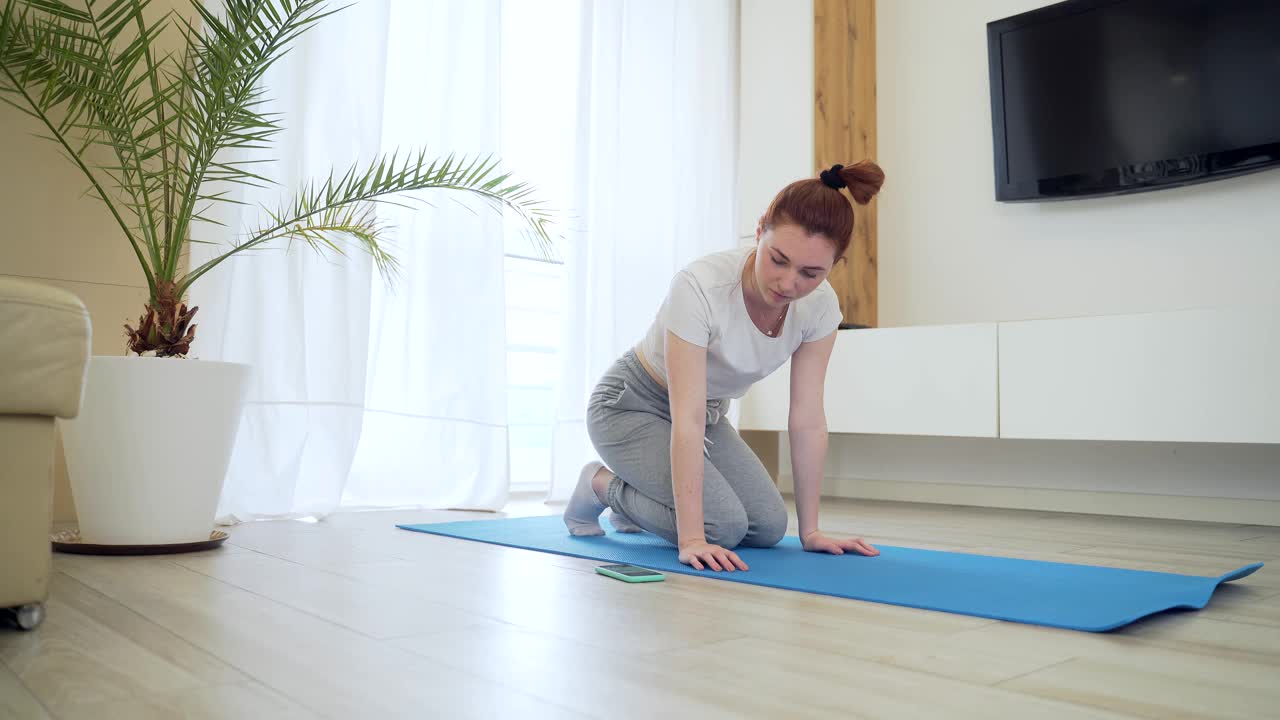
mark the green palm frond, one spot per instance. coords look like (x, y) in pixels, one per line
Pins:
(344, 205)
(160, 136)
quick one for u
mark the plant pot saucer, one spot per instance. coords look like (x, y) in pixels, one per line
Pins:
(68, 541)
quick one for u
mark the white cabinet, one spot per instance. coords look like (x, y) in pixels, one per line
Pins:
(1188, 376)
(1208, 375)
(937, 380)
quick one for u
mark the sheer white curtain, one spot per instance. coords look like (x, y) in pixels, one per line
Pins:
(368, 395)
(435, 429)
(373, 396)
(656, 166)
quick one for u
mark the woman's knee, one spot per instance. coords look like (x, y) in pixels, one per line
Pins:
(767, 526)
(725, 526)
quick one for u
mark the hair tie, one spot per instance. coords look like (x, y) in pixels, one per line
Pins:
(831, 178)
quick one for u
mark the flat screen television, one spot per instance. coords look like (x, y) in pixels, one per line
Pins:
(1102, 97)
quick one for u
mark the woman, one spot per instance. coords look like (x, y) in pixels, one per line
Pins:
(672, 465)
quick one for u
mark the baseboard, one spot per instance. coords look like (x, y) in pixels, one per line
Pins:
(1168, 507)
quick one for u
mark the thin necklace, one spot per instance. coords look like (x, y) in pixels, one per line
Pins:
(777, 324)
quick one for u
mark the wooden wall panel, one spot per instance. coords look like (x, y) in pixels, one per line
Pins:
(844, 33)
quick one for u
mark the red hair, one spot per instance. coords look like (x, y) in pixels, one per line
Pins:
(818, 205)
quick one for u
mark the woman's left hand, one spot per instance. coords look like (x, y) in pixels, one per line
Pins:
(817, 542)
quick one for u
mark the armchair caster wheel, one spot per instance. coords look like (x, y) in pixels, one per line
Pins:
(26, 617)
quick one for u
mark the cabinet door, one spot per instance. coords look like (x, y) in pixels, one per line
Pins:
(936, 380)
(1192, 376)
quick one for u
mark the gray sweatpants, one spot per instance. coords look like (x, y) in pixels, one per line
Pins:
(629, 422)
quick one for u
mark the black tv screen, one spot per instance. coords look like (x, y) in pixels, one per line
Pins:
(1101, 97)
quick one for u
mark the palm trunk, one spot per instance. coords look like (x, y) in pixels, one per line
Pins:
(165, 326)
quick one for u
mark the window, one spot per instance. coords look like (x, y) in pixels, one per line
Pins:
(539, 75)
(535, 300)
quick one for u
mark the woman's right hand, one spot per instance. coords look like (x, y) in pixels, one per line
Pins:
(700, 552)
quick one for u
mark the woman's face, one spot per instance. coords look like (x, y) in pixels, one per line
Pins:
(790, 263)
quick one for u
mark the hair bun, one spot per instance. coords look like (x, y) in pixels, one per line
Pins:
(831, 178)
(863, 180)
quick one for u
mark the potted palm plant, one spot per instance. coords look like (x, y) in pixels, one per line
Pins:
(156, 134)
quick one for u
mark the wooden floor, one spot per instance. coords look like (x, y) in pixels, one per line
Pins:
(352, 618)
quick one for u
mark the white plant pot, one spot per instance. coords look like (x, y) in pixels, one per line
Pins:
(148, 454)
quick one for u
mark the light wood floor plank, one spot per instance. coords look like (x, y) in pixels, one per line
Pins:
(140, 631)
(1244, 604)
(342, 601)
(835, 686)
(1211, 638)
(567, 602)
(328, 669)
(351, 617)
(1161, 686)
(16, 701)
(87, 652)
(598, 682)
(217, 702)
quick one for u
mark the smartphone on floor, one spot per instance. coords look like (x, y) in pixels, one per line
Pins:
(630, 573)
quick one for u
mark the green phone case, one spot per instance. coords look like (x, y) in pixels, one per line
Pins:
(652, 576)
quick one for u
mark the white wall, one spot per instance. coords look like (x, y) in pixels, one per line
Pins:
(949, 253)
(776, 103)
(54, 233)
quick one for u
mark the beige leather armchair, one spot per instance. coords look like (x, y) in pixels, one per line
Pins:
(44, 352)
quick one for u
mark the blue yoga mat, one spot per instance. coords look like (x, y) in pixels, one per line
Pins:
(1075, 597)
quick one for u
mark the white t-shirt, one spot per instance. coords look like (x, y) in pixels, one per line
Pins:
(705, 306)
